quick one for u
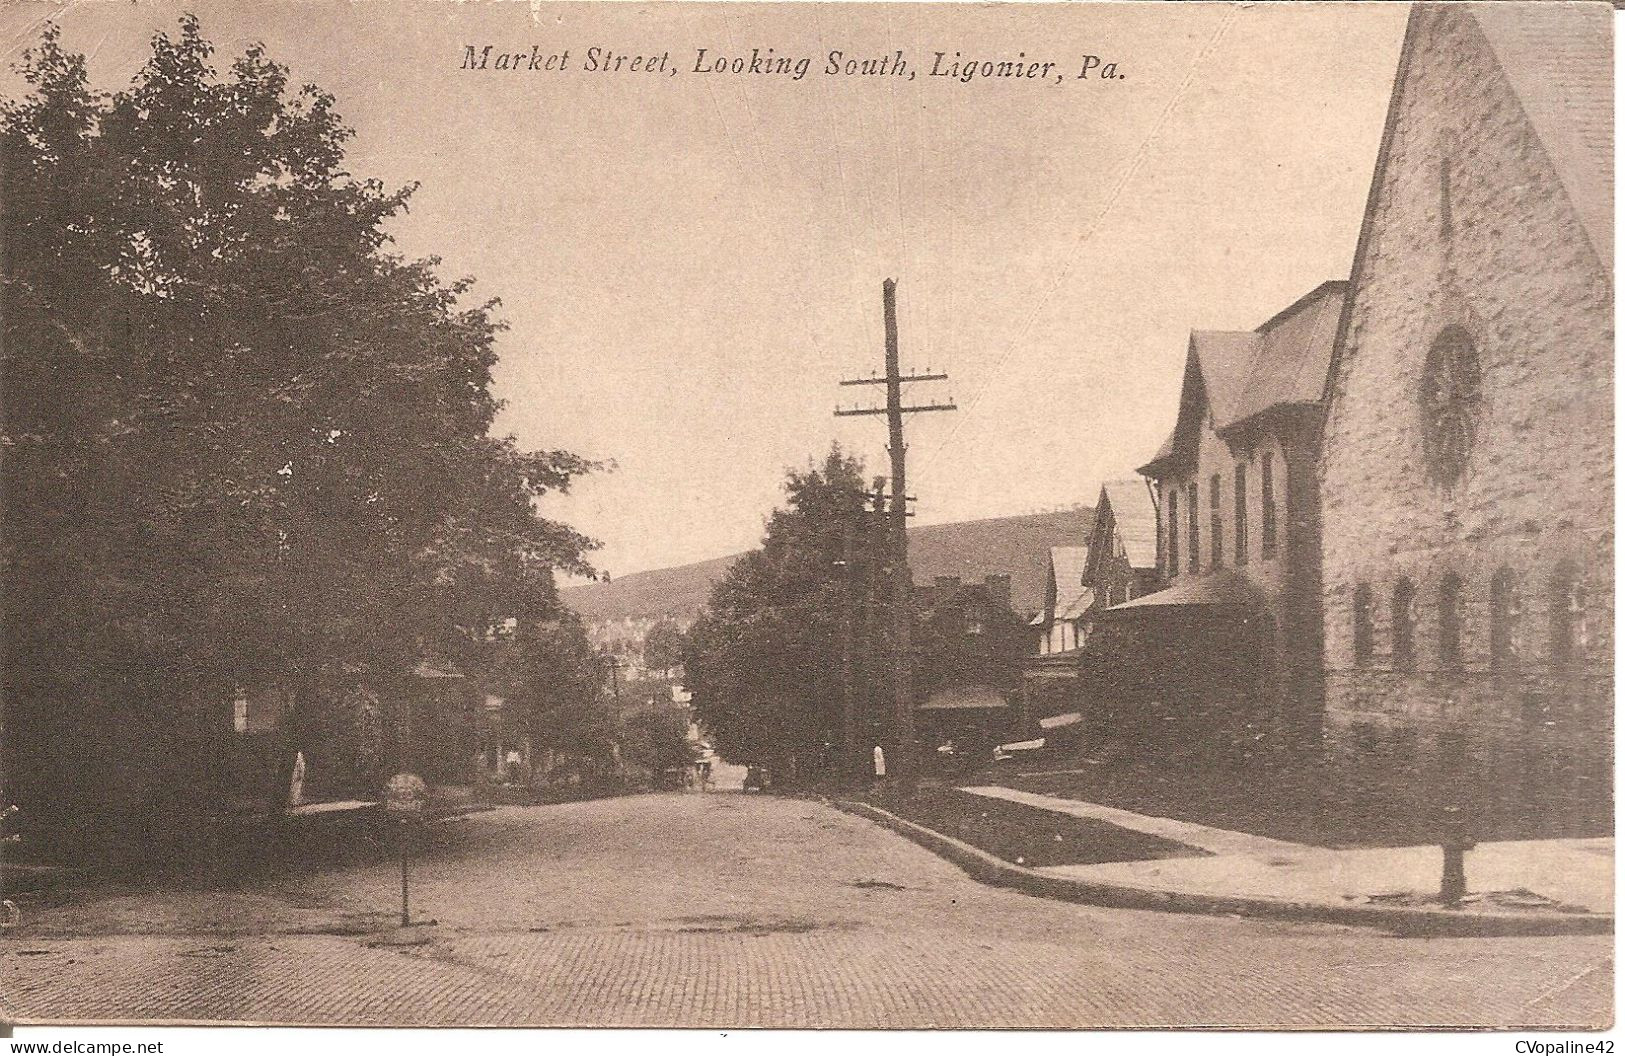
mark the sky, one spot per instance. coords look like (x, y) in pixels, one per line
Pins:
(688, 262)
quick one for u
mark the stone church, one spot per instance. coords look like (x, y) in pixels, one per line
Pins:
(1467, 467)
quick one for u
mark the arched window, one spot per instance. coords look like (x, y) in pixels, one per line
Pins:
(1266, 526)
(1173, 531)
(1504, 613)
(1404, 622)
(1362, 624)
(1450, 620)
(1568, 614)
(1241, 513)
(1192, 514)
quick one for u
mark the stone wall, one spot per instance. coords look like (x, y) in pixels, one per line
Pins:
(1511, 264)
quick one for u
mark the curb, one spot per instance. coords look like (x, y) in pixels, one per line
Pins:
(997, 872)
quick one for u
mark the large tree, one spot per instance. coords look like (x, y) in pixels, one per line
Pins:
(765, 660)
(244, 440)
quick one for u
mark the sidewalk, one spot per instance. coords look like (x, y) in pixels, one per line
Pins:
(1528, 877)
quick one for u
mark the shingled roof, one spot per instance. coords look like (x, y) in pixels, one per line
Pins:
(1135, 517)
(1068, 564)
(1558, 57)
(1240, 374)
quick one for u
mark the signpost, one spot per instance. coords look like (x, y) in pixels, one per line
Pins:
(403, 798)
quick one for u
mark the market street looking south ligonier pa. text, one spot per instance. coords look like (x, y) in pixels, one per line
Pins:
(766, 62)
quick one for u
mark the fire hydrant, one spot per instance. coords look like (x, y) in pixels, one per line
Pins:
(1456, 843)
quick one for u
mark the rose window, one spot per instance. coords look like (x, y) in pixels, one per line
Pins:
(1450, 398)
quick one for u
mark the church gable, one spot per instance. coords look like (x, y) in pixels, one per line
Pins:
(1479, 302)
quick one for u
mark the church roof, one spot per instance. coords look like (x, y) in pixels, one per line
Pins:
(1558, 58)
(1240, 374)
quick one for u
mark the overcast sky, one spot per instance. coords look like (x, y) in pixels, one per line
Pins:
(690, 262)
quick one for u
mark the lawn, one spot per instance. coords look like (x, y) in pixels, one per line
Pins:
(1027, 835)
(1240, 799)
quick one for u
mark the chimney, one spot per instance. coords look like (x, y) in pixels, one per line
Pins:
(998, 590)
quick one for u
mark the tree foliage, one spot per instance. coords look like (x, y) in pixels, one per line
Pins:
(244, 440)
(663, 647)
(764, 660)
(552, 674)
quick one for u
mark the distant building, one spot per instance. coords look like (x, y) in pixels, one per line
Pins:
(968, 646)
(1050, 671)
(1067, 598)
(1468, 470)
(1122, 552)
(1119, 562)
(1225, 659)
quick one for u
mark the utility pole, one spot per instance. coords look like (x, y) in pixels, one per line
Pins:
(849, 705)
(902, 581)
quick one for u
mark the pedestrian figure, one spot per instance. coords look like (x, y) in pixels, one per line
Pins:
(296, 787)
(880, 761)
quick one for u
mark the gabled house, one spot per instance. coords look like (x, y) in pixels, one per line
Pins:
(1467, 478)
(1050, 670)
(1122, 561)
(1067, 598)
(968, 648)
(1223, 662)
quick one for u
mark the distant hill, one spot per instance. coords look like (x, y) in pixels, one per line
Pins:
(969, 549)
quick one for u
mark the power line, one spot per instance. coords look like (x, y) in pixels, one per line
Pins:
(902, 581)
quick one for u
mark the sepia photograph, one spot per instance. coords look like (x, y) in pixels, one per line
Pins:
(1085, 516)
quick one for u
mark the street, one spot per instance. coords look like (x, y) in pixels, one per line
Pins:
(728, 909)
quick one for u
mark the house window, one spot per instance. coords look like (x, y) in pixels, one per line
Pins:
(1504, 613)
(1266, 527)
(1362, 624)
(1450, 620)
(1216, 515)
(1191, 514)
(1404, 620)
(239, 712)
(1241, 513)
(1173, 531)
(1568, 614)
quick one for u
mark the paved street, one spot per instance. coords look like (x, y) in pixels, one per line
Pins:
(735, 910)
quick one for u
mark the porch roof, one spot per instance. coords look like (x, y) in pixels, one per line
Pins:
(1226, 588)
(964, 698)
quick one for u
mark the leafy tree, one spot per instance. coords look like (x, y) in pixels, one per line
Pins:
(245, 442)
(764, 660)
(554, 676)
(656, 739)
(663, 647)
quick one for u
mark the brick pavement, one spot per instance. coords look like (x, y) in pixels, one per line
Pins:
(733, 910)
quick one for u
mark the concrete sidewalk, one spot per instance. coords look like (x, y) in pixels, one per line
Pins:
(1575, 874)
